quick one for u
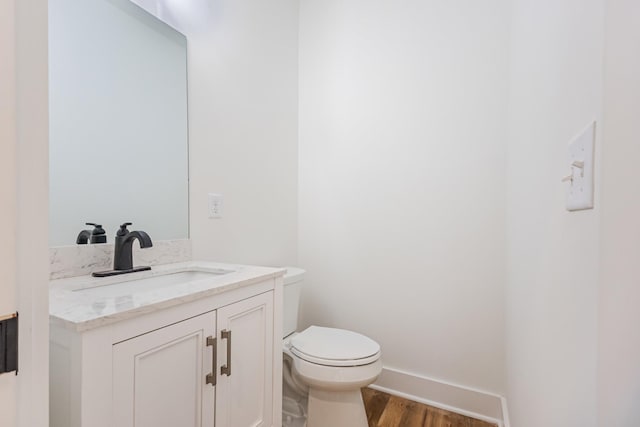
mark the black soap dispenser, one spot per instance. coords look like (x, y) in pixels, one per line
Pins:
(97, 235)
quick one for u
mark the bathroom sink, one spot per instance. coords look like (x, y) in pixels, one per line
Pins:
(154, 283)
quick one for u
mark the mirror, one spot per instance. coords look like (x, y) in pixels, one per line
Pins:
(118, 121)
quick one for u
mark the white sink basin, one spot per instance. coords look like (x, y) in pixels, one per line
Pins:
(154, 283)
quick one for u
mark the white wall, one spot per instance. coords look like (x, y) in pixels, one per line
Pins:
(402, 169)
(242, 125)
(553, 255)
(619, 345)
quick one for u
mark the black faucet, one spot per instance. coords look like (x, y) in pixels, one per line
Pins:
(123, 254)
(83, 237)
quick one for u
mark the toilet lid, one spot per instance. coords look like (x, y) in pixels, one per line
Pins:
(334, 347)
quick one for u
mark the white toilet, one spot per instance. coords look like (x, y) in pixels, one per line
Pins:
(323, 368)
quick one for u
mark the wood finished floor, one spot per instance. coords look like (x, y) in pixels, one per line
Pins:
(384, 410)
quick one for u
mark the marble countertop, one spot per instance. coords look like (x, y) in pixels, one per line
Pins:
(77, 303)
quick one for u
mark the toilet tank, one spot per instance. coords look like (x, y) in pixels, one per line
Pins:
(291, 299)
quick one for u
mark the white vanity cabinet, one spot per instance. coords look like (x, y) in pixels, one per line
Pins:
(158, 376)
(167, 377)
(213, 361)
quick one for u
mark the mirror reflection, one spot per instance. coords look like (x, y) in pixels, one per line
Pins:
(118, 121)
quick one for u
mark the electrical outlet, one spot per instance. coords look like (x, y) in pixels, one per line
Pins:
(215, 205)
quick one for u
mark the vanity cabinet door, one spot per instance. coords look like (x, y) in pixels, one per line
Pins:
(244, 396)
(159, 378)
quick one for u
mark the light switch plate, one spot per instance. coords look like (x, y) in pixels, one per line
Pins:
(581, 152)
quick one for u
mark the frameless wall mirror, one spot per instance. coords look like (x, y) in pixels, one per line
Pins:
(118, 121)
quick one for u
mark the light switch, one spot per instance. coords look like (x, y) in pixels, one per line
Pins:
(580, 170)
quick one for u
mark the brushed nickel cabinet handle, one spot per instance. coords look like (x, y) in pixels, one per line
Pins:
(211, 378)
(226, 369)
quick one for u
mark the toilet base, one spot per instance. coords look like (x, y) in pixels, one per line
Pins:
(336, 409)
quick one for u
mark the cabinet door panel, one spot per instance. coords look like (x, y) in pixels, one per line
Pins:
(245, 398)
(159, 377)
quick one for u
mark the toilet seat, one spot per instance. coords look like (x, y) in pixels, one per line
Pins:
(334, 347)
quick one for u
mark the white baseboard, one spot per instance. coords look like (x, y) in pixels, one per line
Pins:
(463, 400)
(505, 413)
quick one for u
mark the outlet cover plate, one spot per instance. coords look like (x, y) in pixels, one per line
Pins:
(215, 205)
